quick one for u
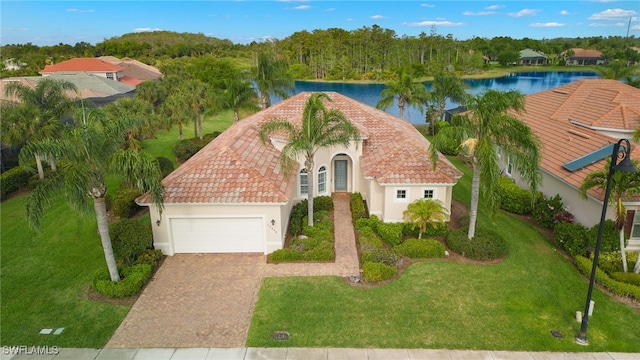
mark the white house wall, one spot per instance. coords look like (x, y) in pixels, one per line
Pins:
(393, 207)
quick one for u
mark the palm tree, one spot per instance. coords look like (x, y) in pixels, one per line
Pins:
(423, 212)
(616, 70)
(623, 185)
(446, 86)
(272, 78)
(138, 110)
(482, 133)
(239, 94)
(407, 92)
(196, 94)
(37, 116)
(321, 128)
(177, 111)
(91, 151)
(636, 135)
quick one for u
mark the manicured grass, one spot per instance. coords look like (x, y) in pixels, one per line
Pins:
(46, 276)
(512, 305)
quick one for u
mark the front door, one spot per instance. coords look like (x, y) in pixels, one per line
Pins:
(340, 175)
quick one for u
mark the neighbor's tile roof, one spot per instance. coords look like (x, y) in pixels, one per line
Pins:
(82, 64)
(134, 68)
(584, 53)
(237, 168)
(594, 102)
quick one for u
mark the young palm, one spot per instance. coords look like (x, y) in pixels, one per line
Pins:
(423, 212)
(617, 70)
(321, 128)
(623, 185)
(446, 86)
(91, 151)
(481, 133)
(239, 94)
(406, 91)
(272, 78)
(37, 116)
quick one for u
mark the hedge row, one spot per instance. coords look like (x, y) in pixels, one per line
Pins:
(420, 249)
(358, 210)
(513, 198)
(132, 281)
(375, 271)
(13, 180)
(616, 287)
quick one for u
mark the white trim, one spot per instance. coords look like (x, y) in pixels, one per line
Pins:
(300, 172)
(407, 195)
(433, 195)
(326, 178)
(417, 184)
(217, 204)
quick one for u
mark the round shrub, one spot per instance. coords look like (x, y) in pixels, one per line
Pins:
(420, 249)
(513, 198)
(132, 280)
(149, 257)
(370, 222)
(572, 238)
(286, 255)
(166, 166)
(390, 233)
(486, 245)
(322, 203)
(129, 239)
(610, 237)
(184, 149)
(464, 221)
(380, 256)
(545, 209)
(123, 202)
(13, 180)
(375, 271)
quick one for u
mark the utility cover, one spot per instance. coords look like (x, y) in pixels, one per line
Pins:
(556, 334)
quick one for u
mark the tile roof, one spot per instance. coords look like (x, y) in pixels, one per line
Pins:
(134, 68)
(237, 168)
(584, 53)
(595, 101)
(81, 64)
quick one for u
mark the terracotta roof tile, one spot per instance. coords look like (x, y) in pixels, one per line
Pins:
(81, 64)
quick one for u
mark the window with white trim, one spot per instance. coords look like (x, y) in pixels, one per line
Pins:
(635, 232)
(428, 193)
(110, 75)
(509, 166)
(401, 195)
(322, 180)
(304, 185)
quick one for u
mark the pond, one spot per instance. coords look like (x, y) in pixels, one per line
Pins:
(527, 83)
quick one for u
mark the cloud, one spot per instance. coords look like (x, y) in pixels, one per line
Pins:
(613, 14)
(330, 9)
(635, 27)
(15, 29)
(547, 25)
(350, 19)
(80, 11)
(494, 7)
(607, 25)
(432, 23)
(376, 17)
(427, 5)
(145, 29)
(524, 12)
(479, 13)
(564, 12)
(302, 7)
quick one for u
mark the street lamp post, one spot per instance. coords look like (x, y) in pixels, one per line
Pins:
(622, 153)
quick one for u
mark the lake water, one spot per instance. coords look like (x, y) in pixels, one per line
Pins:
(527, 83)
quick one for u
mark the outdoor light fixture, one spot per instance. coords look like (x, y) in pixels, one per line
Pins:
(273, 222)
(622, 153)
(158, 222)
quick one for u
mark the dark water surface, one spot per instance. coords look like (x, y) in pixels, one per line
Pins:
(527, 83)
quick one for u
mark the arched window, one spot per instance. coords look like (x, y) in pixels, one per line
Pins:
(322, 180)
(304, 185)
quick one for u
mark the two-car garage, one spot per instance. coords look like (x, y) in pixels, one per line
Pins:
(217, 234)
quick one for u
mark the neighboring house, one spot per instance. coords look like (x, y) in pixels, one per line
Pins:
(232, 196)
(134, 69)
(578, 124)
(13, 65)
(531, 57)
(577, 56)
(92, 66)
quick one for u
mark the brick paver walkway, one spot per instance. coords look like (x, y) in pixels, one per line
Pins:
(206, 300)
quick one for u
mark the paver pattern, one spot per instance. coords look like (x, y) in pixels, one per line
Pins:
(206, 300)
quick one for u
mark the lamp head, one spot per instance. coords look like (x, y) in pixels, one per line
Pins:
(626, 165)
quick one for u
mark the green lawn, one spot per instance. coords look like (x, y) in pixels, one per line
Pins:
(512, 305)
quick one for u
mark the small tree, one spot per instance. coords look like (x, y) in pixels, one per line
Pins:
(423, 212)
(407, 91)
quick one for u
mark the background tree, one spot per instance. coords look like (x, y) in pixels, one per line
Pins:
(321, 128)
(197, 95)
(623, 186)
(177, 111)
(423, 212)
(89, 152)
(406, 91)
(272, 78)
(38, 116)
(617, 70)
(486, 129)
(140, 113)
(446, 86)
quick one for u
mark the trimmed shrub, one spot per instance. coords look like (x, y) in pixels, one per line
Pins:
(486, 245)
(513, 198)
(545, 209)
(13, 180)
(298, 212)
(149, 257)
(358, 210)
(611, 262)
(616, 287)
(610, 237)
(322, 203)
(368, 239)
(123, 202)
(322, 252)
(438, 229)
(166, 165)
(206, 138)
(420, 249)
(380, 256)
(129, 239)
(629, 278)
(370, 222)
(286, 255)
(375, 271)
(572, 238)
(133, 279)
(304, 244)
(184, 149)
(390, 233)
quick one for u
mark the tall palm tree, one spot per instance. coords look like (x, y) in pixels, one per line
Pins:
(623, 185)
(239, 94)
(37, 116)
(138, 110)
(406, 91)
(197, 95)
(482, 133)
(423, 212)
(272, 77)
(89, 152)
(321, 128)
(177, 111)
(446, 86)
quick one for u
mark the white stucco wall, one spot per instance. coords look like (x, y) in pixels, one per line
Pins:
(393, 207)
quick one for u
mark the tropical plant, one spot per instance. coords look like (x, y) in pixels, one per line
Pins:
(406, 91)
(272, 78)
(321, 128)
(486, 129)
(196, 94)
(177, 111)
(423, 212)
(89, 152)
(37, 116)
(623, 186)
(616, 70)
(239, 94)
(636, 135)
(446, 86)
(138, 111)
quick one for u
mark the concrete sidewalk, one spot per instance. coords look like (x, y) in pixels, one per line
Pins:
(307, 354)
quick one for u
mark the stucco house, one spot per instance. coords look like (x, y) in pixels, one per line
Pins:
(92, 66)
(578, 56)
(232, 196)
(578, 124)
(532, 57)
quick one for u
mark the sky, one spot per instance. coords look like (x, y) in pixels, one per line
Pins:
(53, 22)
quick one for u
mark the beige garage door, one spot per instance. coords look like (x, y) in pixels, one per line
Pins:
(217, 235)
